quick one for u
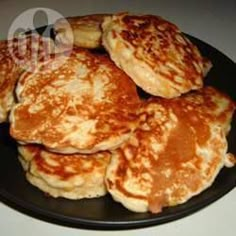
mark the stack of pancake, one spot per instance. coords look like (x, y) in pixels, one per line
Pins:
(83, 130)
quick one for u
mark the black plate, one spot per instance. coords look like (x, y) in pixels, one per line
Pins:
(104, 213)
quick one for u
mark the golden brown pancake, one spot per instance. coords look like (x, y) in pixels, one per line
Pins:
(16, 55)
(154, 53)
(176, 153)
(86, 105)
(70, 176)
(27, 50)
(82, 31)
(9, 73)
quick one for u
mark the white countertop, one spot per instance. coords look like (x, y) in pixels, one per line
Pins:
(213, 21)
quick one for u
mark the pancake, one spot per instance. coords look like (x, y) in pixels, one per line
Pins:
(175, 154)
(84, 106)
(82, 31)
(16, 55)
(154, 53)
(9, 73)
(27, 50)
(73, 176)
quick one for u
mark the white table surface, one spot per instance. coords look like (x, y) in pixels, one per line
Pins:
(213, 21)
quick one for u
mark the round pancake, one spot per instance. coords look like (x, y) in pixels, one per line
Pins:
(154, 53)
(86, 105)
(73, 176)
(82, 31)
(16, 55)
(176, 153)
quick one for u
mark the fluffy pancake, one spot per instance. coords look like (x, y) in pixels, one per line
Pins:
(154, 53)
(82, 31)
(73, 176)
(176, 153)
(86, 105)
(16, 55)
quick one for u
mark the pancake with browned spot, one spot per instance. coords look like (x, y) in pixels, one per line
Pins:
(16, 55)
(82, 31)
(86, 105)
(176, 153)
(73, 176)
(9, 73)
(154, 53)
